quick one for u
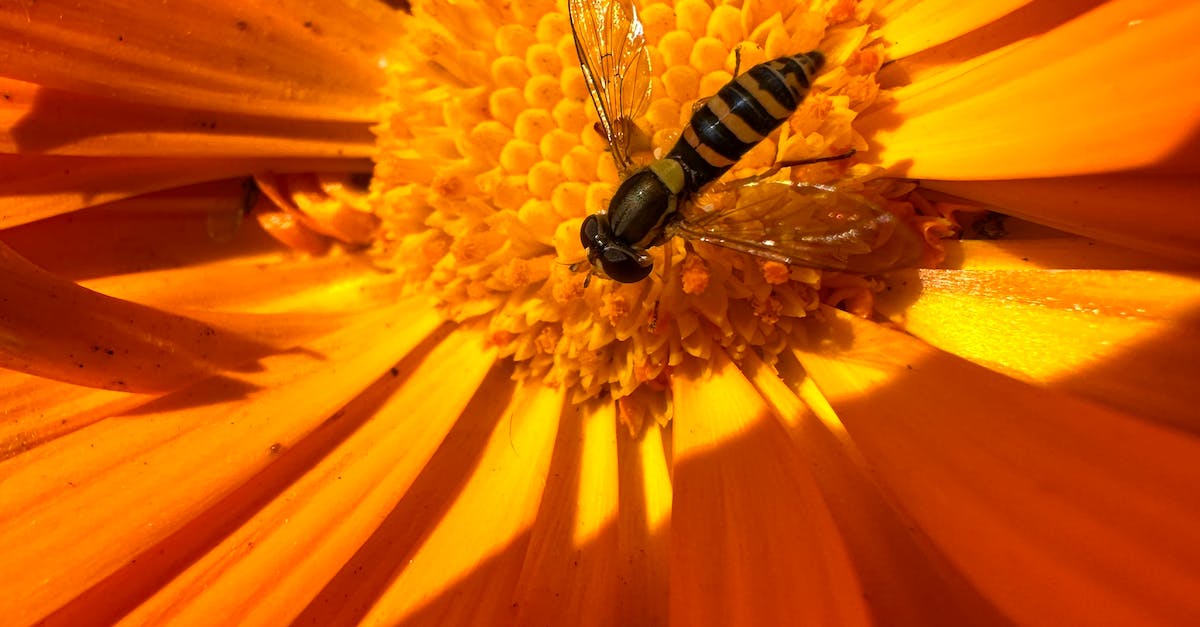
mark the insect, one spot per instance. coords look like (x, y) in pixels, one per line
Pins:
(793, 223)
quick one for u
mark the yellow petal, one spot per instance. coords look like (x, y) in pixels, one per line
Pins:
(1057, 510)
(148, 474)
(644, 529)
(280, 58)
(1068, 102)
(915, 25)
(576, 530)
(1117, 337)
(463, 529)
(752, 542)
(1151, 212)
(293, 286)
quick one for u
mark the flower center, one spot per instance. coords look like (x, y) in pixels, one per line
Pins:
(490, 159)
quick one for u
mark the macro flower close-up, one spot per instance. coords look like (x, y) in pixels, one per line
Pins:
(338, 312)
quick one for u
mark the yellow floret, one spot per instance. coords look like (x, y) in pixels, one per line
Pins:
(490, 159)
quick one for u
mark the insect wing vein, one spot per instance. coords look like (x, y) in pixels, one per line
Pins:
(611, 45)
(801, 224)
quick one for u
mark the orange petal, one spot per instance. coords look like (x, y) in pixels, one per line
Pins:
(320, 207)
(1066, 103)
(292, 286)
(752, 542)
(193, 225)
(289, 229)
(148, 474)
(1157, 213)
(36, 187)
(481, 499)
(576, 530)
(1059, 253)
(1057, 510)
(194, 248)
(1117, 337)
(878, 537)
(59, 330)
(643, 528)
(914, 25)
(45, 408)
(41, 120)
(260, 554)
(285, 58)
(38, 410)
(956, 58)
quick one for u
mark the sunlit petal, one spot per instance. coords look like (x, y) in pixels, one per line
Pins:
(497, 475)
(1123, 338)
(212, 438)
(1056, 509)
(915, 25)
(644, 529)
(226, 563)
(576, 530)
(747, 516)
(1013, 117)
(340, 284)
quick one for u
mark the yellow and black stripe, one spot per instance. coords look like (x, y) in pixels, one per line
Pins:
(741, 114)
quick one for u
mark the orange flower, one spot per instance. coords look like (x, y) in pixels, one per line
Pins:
(411, 411)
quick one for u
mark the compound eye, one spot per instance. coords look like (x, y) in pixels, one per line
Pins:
(589, 231)
(622, 266)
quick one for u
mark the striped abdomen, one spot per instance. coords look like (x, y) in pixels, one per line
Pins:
(741, 114)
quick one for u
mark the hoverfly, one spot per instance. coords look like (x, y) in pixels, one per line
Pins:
(793, 223)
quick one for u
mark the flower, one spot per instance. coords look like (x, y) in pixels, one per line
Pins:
(405, 413)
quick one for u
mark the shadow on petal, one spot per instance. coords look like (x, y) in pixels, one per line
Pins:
(365, 579)
(1056, 509)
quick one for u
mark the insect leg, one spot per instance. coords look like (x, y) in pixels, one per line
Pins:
(750, 180)
(792, 164)
(666, 260)
(652, 324)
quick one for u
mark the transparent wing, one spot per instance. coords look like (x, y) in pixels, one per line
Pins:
(612, 53)
(800, 224)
